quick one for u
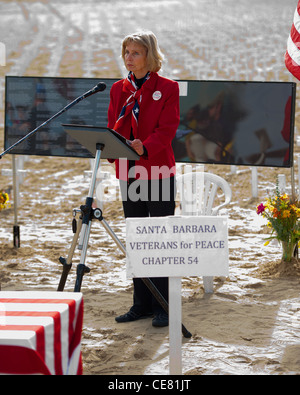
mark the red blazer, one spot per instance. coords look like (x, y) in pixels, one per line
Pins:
(157, 126)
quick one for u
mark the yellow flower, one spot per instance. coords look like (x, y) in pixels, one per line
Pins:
(4, 200)
(268, 206)
(286, 214)
(267, 242)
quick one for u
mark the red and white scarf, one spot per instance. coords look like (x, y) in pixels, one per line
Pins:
(132, 104)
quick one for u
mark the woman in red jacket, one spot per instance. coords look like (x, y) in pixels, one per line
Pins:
(144, 108)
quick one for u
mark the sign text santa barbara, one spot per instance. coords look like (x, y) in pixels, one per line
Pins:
(157, 246)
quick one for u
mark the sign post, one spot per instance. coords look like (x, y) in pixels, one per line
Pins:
(176, 247)
(175, 336)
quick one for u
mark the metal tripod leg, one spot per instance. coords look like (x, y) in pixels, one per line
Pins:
(81, 267)
(83, 231)
(87, 221)
(67, 263)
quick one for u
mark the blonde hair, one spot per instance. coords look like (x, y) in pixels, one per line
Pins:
(149, 41)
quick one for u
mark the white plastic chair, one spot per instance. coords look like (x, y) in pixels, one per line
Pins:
(203, 193)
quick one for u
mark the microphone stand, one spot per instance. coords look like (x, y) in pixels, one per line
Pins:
(99, 87)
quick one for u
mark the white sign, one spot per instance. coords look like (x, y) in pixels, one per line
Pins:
(177, 246)
(183, 88)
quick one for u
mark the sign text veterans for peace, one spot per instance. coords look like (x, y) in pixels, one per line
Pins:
(177, 246)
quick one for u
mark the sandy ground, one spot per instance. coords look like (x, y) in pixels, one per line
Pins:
(250, 324)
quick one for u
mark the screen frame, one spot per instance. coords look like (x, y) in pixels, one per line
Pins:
(290, 163)
(293, 86)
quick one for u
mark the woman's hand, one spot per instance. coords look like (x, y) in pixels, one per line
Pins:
(137, 145)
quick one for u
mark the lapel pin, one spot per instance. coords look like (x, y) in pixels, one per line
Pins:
(156, 95)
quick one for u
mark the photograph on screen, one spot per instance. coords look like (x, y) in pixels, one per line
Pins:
(241, 123)
(30, 101)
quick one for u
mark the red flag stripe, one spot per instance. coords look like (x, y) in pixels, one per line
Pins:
(295, 36)
(77, 331)
(64, 332)
(12, 357)
(40, 336)
(60, 315)
(70, 302)
(57, 327)
(292, 55)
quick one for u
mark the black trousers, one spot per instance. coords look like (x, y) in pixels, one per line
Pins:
(152, 198)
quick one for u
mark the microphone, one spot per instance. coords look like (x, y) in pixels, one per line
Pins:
(101, 86)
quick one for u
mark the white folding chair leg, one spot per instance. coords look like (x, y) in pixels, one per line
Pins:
(197, 191)
(208, 283)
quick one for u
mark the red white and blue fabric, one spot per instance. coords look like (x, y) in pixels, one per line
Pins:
(132, 104)
(292, 55)
(40, 332)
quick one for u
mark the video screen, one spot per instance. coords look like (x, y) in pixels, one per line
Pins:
(221, 122)
(241, 123)
(30, 101)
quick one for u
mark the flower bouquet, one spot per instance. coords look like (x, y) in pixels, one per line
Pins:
(283, 214)
(4, 200)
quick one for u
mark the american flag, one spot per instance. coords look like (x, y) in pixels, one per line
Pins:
(292, 55)
(40, 332)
